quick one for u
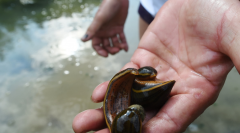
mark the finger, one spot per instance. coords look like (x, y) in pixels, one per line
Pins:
(103, 131)
(110, 49)
(123, 42)
(89, 120)
(92, 29)
(180, 110)
(99, 92)
(96, 44)
(116, 42)
(130, 65)
(106, 42)
(166, 121)
(150, 113)
(106, 11)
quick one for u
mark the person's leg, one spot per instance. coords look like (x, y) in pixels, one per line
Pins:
(142, 27)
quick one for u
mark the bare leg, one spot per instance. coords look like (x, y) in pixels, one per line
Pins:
(142, 27)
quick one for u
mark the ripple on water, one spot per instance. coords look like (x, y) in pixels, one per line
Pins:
(33, 12)
(44, 13)
(69, 59)
(193, 128)
(26, 84)
(94, 53)
(77, 64)
(96, 68)
(60, 82)
(64, 7)
(60, 66)
(50, 124)
(66, 72)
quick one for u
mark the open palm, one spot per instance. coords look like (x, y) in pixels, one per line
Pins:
(191, 41)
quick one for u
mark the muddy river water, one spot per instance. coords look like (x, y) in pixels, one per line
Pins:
(47, 74)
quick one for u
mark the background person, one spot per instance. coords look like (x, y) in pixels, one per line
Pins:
(106, 29)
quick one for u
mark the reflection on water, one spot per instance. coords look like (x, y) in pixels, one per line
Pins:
(48, 74)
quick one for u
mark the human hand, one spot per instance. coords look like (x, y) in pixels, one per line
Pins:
(194, 42)
(106, 30)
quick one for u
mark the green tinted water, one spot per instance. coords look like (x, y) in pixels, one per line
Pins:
(48, 74)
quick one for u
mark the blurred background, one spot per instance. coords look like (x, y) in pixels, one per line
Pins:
(47, 74)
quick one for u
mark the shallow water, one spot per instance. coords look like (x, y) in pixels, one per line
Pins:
(48, 74)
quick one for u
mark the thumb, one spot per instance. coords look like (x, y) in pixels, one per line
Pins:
(91, 31)
(105, 13)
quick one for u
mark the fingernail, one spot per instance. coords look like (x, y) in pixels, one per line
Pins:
(92, 100)
(102, 53)
(125, 48)
(100, 108)
(85, 36)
